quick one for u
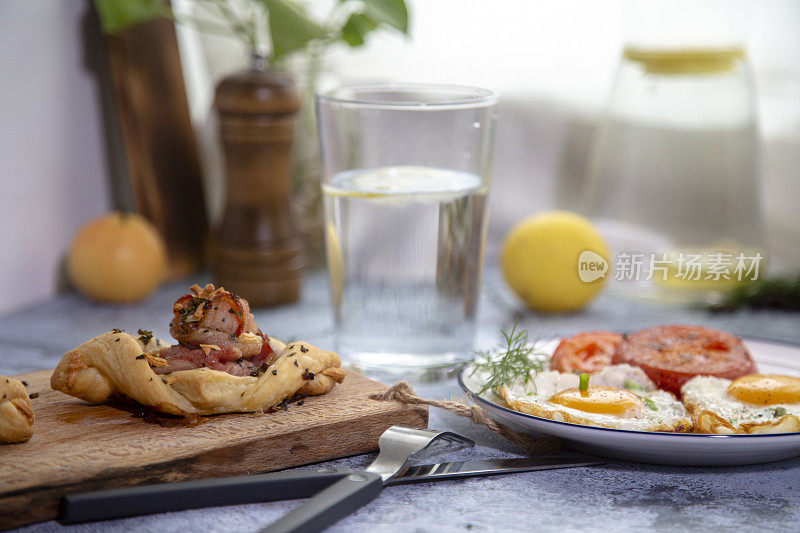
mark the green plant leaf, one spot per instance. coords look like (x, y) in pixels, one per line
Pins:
(289, 27)
(116, 15)
(391, 12)
(356, 28)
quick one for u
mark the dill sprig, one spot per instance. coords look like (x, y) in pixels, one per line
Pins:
(510, 362)
(767, 293)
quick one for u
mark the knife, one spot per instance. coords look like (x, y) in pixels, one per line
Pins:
(274, 486)
(486, 467)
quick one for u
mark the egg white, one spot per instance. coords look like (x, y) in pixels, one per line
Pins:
(622, 375)
(665, 413)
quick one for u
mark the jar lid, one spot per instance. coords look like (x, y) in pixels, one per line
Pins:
(685, 60)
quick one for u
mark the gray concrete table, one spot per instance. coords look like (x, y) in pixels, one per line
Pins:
(616, 496)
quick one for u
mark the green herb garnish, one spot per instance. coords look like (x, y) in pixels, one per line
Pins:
(766, 293)
(637, 389)
(780, 411)
(510, 362)
(650, 404)
(584, 383)
(145, 335)
(186, 314)
(260, 370)
(632, 385)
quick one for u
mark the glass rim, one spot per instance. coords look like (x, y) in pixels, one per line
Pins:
(463, 96)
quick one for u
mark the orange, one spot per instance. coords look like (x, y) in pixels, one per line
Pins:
(119, 257)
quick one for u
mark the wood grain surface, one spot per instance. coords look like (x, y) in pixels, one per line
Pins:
(256, 250)
(79, 446)
(160, 150)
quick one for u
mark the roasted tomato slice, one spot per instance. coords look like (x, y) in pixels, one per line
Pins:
(672, 355)
(586, 352)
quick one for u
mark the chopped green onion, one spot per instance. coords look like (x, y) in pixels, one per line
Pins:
(584, 383)
(780, 411)
(637, 389)
(632, 385)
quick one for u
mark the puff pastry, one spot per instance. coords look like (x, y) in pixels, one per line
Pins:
(115, 364)
(16, 414)
(222, 364)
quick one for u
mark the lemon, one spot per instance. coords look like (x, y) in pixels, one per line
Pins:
(540, 259)
(117, 258)
(335, 264)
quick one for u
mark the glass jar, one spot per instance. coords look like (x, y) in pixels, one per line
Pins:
(674, 182)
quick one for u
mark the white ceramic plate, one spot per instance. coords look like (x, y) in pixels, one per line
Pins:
(687, 449)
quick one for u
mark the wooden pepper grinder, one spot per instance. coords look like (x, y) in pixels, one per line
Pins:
(255, 250)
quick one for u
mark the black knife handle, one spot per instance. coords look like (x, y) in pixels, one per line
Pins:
(331, 505)
(149, 499)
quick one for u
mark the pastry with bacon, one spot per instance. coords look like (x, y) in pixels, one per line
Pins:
(222, 363)
(215, 329)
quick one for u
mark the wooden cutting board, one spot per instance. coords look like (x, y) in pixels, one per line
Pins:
(78, 446)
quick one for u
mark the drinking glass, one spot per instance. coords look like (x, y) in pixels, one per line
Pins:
(406, 173)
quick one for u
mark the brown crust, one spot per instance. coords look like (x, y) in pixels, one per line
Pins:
(336, 374)
(706, 421)
(208, 291)
(16, 413)
(154, 360)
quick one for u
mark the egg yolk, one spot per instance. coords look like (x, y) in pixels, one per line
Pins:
(600, 399)
(766, 389)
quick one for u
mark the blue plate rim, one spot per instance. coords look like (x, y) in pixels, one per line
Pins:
(646, 434)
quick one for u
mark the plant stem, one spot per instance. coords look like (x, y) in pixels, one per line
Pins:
(237, 25)
(205, 25)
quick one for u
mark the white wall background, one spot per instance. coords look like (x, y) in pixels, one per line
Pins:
(52, 155)
(552, 62)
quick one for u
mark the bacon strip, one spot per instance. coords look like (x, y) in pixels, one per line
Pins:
(216, 317)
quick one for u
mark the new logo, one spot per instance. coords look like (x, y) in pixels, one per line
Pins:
(591, 266)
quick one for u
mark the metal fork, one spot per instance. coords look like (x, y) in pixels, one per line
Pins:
(397, 445)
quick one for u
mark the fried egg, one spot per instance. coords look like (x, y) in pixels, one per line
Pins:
(756, 403)
(606, 403)
(623, 376)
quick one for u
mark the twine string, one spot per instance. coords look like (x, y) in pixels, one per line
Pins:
(403, 393)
